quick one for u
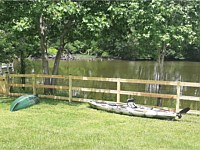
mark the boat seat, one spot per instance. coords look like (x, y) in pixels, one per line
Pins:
(130, 103)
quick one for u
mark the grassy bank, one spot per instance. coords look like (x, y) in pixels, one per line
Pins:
(59, 125)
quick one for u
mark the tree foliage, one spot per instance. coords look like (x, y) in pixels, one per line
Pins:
(135, 29)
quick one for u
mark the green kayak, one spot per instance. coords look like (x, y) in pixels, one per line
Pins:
(24, 102)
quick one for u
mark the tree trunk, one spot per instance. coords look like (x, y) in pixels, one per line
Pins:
(60, 52)
(160, 71)
(23, 67)
(43, 45)
(58, 56)
(57, 62)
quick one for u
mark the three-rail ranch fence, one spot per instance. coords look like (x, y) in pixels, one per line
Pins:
(7, 82)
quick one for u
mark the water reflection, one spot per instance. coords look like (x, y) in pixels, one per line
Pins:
(184, 71)
(173, 71)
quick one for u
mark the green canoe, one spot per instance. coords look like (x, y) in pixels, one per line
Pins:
(24, 102)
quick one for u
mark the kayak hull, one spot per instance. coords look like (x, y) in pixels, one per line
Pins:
(140, 111)
(24, 102)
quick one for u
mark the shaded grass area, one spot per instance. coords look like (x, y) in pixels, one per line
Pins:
(61, 125)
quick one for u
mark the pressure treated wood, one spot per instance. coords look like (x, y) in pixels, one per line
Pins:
(95, 90)
(190, 98)
(118, 91)
(148, 82)
(7, 86)
(70, 88)
(156, 95)
(21, 75)
(2, 86)
(178, 96)
(2, 79)
(20, 85)
(53, 87)
(34, 84)
(189, 84)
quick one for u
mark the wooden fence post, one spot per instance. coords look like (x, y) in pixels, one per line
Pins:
(1, 71)
(34, 84)
(2, 86)
(178, 96)
(70, 88)
(7, 88)
(118, 90)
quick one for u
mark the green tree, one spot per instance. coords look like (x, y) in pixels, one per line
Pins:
(21, 40)
(162, 27)
(124, 29)
(6, 48)
(114, 40)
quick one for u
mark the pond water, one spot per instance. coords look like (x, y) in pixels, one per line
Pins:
(173, 71)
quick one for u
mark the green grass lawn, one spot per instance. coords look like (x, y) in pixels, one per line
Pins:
(54, 125)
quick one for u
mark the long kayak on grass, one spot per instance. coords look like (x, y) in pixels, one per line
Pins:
(137, 110)
(24, 102)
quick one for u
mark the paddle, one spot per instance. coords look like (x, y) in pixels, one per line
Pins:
(183, 111)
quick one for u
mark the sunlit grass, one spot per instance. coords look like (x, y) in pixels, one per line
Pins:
(62, 125)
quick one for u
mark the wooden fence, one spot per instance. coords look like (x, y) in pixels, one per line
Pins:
(7, 83)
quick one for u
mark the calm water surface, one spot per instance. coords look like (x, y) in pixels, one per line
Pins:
(184, 71)
(173, 71)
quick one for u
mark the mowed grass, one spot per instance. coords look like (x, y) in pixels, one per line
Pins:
(55, 125)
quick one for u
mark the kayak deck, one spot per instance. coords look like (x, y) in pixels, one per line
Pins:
(134, 110)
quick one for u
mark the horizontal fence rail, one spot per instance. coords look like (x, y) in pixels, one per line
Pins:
(8, 83)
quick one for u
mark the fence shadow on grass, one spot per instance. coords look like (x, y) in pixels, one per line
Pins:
(6, 100)
(57, 102)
